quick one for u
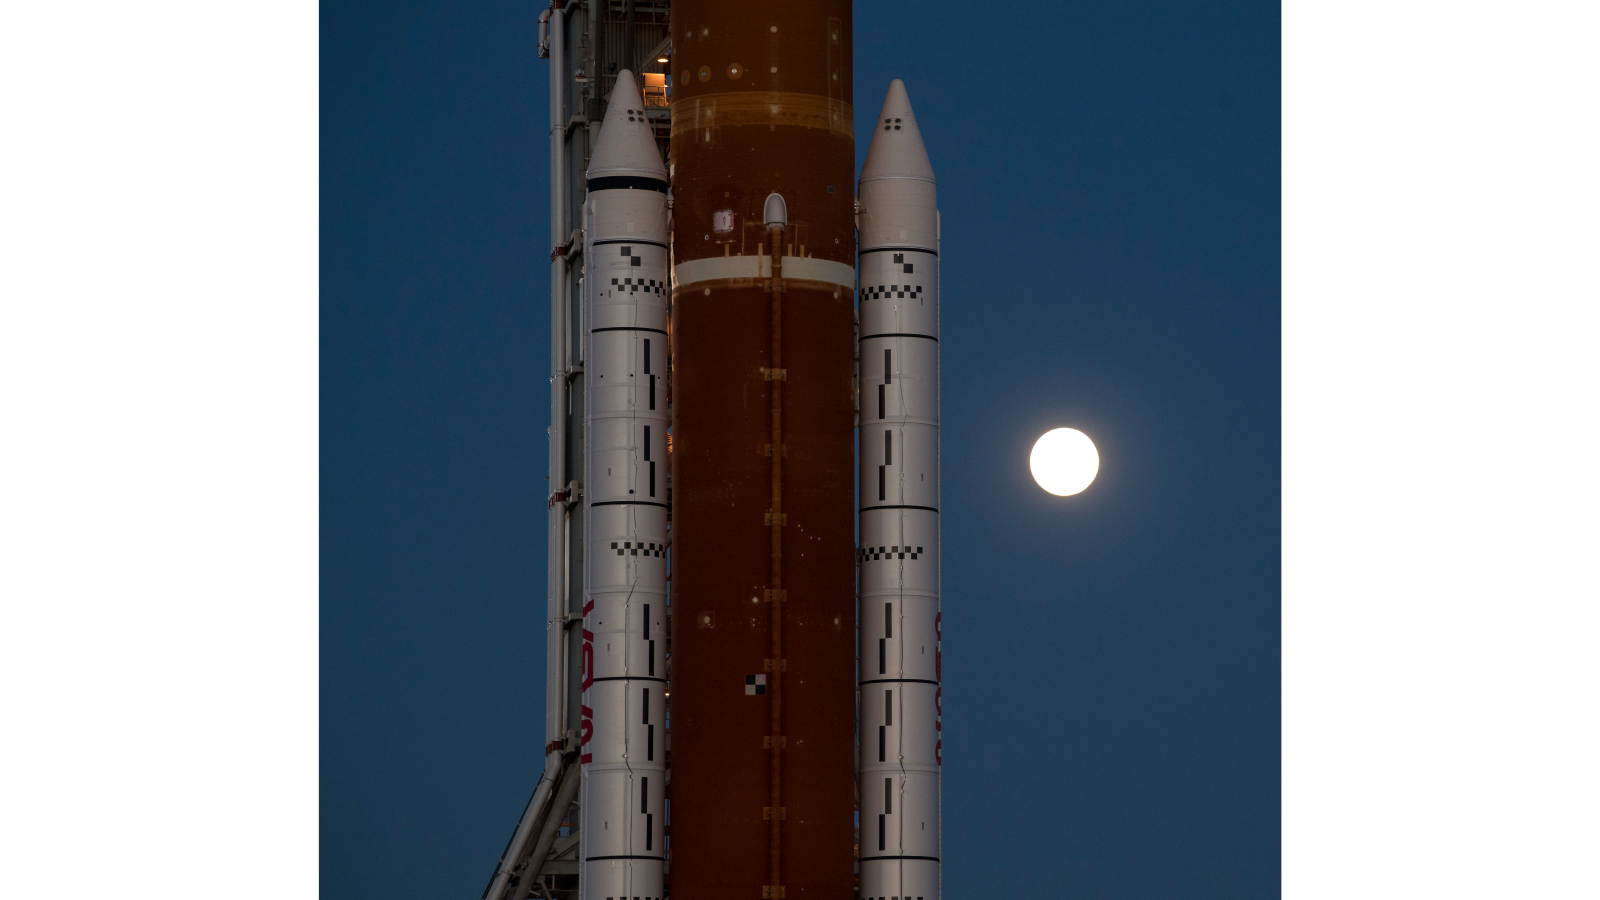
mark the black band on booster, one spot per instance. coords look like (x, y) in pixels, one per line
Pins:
(627, 183)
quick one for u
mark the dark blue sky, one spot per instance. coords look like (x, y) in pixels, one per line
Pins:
(1109, 186)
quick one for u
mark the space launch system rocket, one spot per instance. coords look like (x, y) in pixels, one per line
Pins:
(720, 305)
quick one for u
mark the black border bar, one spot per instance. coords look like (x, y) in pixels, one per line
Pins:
(894, 250)
(876, 858)
(630, 503)
(626, 183)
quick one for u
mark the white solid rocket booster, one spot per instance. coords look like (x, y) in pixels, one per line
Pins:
(623, 736)
(899, 553)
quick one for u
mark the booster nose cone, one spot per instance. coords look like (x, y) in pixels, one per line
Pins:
(897, 150)
(626, 147)
(898, 193)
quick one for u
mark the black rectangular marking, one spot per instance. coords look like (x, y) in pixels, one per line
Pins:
(652, 479)
(649, 830)
(652, 659)
(888, 615)
(644, 627)
(888, 706)
(652, 392)
(880, 833)
(647, 354)
(650, 744)
(888, 796)
(888, 449)
(644, 795)
(887, 375)
(646, 707)
(883, 738)
(880, 402)
(647, 443)
(883, 484)
(883, 657)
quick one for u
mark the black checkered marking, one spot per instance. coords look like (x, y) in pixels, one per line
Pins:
(892, 291)
(883, 291)
(871, 554)
(635, 285)
(635, 548)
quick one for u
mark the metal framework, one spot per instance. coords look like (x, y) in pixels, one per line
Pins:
(586, 42)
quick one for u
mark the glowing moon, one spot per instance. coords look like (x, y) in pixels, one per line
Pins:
(1064, 461)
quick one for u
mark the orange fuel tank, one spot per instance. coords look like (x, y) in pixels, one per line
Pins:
(763, 503)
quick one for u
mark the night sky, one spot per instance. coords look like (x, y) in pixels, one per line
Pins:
(1108, 179)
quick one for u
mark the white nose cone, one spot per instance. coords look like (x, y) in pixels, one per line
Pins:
(897, 150)
(625, 147)
(1064, 461)
(898, 194)
(775, 212)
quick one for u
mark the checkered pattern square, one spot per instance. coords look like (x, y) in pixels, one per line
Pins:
(635, 548)
(894, 291)
(635, 285)
(891, 291)
(872, 554)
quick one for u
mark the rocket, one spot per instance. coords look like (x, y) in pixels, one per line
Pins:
(900, 752)
(720, 304)
(624, 675)
(742, 608)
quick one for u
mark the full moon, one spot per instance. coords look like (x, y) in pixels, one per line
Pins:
(1064, 461)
